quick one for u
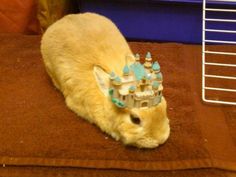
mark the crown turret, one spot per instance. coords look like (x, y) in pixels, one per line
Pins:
(155, 85)
(148, 60)
(156, 67)
(140, 85)
(132, 89)
(159, 76)
(137, 57)
(126, 70)
(117, 81)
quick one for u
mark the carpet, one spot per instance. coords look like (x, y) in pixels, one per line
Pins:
(37, 129)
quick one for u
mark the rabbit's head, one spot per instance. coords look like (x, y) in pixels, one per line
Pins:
(140, 127)
(146, 128)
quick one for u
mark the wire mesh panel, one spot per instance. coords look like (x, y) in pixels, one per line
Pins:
(219, 52)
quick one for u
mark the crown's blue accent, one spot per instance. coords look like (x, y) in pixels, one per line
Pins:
(126, 70)
(156, 66)
(132, 88)
(117, 79)
(159, 76)
(139, 70)
(148, 55)
(118, 103)
(155, 84)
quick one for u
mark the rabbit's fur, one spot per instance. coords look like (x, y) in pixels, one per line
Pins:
(81, 49)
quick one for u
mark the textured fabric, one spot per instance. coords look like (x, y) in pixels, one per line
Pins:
(18, 16)
(37, 129)
(83, 172)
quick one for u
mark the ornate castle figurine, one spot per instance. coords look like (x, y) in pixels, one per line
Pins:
(139, 87)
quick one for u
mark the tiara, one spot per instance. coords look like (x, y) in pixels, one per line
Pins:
(140, 86)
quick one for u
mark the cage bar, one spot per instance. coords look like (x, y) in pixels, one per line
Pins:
(220, 77)
(220, 31)
(219, 53)
(219, 20)
(220, 64)
(215, 52)
(220, 10)
(220, 89)
(220, 41)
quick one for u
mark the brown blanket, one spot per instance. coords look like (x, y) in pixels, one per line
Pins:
(37, 129)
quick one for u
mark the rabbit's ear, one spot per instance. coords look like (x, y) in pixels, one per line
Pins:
(102, 79)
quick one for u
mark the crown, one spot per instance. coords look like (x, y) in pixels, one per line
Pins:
(139, 87)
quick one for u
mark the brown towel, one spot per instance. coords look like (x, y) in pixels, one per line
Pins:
(37, 129)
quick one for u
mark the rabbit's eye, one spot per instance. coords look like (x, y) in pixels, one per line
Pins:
(135, 119)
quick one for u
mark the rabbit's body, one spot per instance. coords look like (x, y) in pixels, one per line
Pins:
(72, 48)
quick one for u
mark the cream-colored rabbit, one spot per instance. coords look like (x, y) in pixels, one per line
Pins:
(79, 51)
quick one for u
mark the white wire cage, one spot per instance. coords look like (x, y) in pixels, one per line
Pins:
(206, 39)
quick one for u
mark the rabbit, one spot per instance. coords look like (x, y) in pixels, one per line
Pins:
(79, 51)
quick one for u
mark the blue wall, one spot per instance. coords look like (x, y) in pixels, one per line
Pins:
(163, 20)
